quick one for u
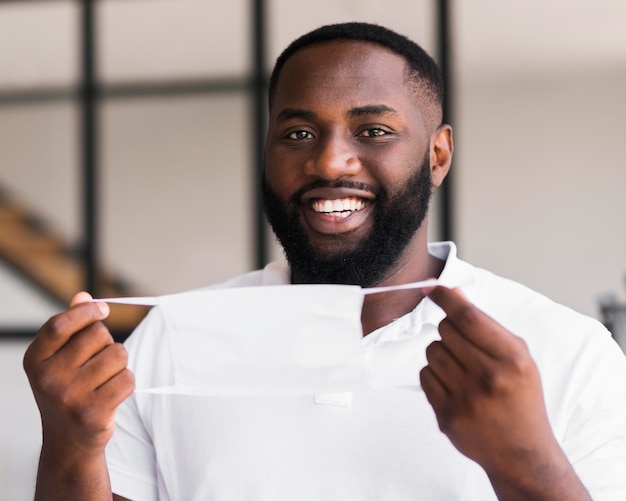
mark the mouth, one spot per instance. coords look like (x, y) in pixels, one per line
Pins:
(337, 210)
(339, 207)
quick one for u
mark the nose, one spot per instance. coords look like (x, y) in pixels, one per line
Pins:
(333, 159)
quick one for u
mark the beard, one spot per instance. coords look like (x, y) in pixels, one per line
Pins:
(396, 220)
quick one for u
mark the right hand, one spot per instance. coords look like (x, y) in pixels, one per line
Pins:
(79, 377)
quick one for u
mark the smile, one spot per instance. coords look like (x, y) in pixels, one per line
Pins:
(340, 207)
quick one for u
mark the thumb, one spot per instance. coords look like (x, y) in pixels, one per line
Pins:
(80, 297)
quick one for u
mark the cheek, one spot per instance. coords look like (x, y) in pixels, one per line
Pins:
(281, 175)
(392, 170)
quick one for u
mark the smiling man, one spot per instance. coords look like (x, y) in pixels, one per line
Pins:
(349, 167)
(513, 396)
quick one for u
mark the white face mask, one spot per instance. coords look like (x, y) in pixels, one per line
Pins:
(266, 340)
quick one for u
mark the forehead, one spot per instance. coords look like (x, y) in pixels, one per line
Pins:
(343, 74)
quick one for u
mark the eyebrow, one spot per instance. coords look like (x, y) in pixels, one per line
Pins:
(359, 111)
(289, 113)
(374, 109)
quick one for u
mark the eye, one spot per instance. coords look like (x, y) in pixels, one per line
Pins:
(299, 135)
(374, 132)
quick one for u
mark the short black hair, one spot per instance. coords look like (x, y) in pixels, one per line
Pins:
(423, 70)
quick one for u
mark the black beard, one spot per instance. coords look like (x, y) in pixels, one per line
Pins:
(395, 222)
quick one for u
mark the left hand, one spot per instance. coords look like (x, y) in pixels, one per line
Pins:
(486, 392)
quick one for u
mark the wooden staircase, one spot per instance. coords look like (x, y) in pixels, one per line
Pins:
(43, 258)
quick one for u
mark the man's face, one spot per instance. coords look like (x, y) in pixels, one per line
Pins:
(347, 179)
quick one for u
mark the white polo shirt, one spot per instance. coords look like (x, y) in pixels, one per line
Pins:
(378, 444)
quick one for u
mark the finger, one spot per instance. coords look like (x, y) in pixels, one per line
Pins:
(81, 297)
(117, 389)
(482, 330)
(104, 365)
(445, 367)
(93, 409)
(60, 328)
(436, 393)
(469, 355)
(83, 345)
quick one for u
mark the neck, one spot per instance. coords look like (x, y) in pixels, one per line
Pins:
(383, 308)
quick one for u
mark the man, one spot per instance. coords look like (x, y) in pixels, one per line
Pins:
(520, 398)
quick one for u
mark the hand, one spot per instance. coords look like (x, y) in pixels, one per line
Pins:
(486, 392)
(78, 376)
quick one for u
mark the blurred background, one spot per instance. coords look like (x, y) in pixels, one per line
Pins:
(131, 133)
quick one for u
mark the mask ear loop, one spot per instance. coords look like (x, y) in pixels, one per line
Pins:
(154, 300)
(432, 282)
(140, 301)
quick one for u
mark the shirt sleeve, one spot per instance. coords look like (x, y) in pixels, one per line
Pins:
(595, 437)
(583, 372)
(130, 454)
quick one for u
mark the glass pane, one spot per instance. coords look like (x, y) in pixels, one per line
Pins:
(39, 151)
(176, 191)
(23, 306)
(39, 209)
(156, 39)
(43, 42)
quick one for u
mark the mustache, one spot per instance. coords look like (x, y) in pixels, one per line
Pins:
(341, 183)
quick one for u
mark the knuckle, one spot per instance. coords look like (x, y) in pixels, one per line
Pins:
(98, 332)
(445, 326)
(128, 378)
(518, 363)
(467, 314)
(519, 357)
(46, 381)
(117, 352)
(88, 414)
(27, 362)
(444, 425)
(447, 421)
(496, 382)
(56, 327)
(120, 350)
(67, 397)
(432, 349)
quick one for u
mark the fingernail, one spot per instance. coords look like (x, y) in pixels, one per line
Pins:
(104, 309)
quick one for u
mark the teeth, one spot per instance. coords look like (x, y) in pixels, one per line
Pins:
(342, 207)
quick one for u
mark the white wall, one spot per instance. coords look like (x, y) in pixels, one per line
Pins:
(21, 307)
(20, 430)
(176, 191)
(542, 183)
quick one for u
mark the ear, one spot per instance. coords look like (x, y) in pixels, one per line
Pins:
(440, 154)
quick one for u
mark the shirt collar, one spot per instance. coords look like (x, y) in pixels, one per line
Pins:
(455, 273)
(276, 273)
